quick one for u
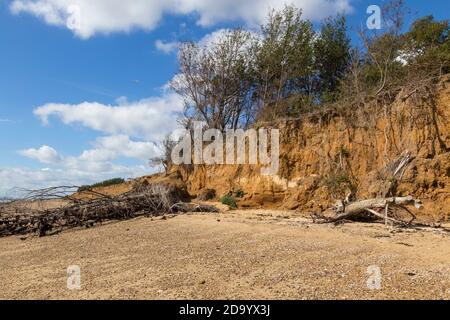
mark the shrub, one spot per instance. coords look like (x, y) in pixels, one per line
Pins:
(84, 188)
(229, 201)
(239, 194)
(339, 183)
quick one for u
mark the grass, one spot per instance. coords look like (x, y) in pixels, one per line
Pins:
(105, 183)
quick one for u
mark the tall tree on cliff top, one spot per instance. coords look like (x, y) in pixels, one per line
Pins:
(283, 61)
(332, 57)
(214, 80)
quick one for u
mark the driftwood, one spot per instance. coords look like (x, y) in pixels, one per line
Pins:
(384, 205)
(393, 172)
(22, 217)
(344, 212)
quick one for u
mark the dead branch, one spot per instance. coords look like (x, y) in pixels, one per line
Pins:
(19, 217)
(344, 211)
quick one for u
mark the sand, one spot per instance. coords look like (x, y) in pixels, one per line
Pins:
(252, 254)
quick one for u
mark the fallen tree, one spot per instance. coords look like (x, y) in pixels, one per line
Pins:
(24, 217)
(384, 209)
(385, 206)
(353, 209)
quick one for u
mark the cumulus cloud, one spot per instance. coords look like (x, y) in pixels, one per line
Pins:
(166, 47)
(255, 11)
(87, 18)
(91, 166)
(148, 118)
(123, 146)
(131, 130)
(106, 149)
(98, 155)
(44, 154)
(109, 148)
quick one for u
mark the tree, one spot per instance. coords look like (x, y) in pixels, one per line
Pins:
(214, 80)
(332, 57)
(426, 33)
(427, 45)
(382, 68)
(283, 61)
(286, 68)
(165, 159)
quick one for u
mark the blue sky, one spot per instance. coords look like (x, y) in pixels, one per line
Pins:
(85, 104)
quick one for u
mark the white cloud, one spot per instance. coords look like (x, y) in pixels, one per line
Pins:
(87, 18)
(220, 35)
(91, 166)
(106, 149)
(44, 154)
(146, 121)
(254, 12)
(95, 155)
(123, 146)
(150, 118)
(109, 148)
(91, 17)
(166, 47)
(213, 37)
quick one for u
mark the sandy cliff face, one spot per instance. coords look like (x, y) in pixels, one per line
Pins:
(322, 157)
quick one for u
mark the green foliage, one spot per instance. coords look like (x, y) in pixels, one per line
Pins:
(287, 68)
(332, 57)
(428, 45)
(382, 69)
(284, 58)
(426, 33)
(239, 193)
(105, 183)
(229, 200)
(297, 67)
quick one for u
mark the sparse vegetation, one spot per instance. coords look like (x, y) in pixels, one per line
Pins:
(165, 160)
(229, 200)
(105, 183)
(239, 193)
(339, 184)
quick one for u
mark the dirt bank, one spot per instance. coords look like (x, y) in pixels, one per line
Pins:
(324, 155)
(237, 254)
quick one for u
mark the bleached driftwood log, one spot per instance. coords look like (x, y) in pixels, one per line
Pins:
(346, 211)
(349, 208)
